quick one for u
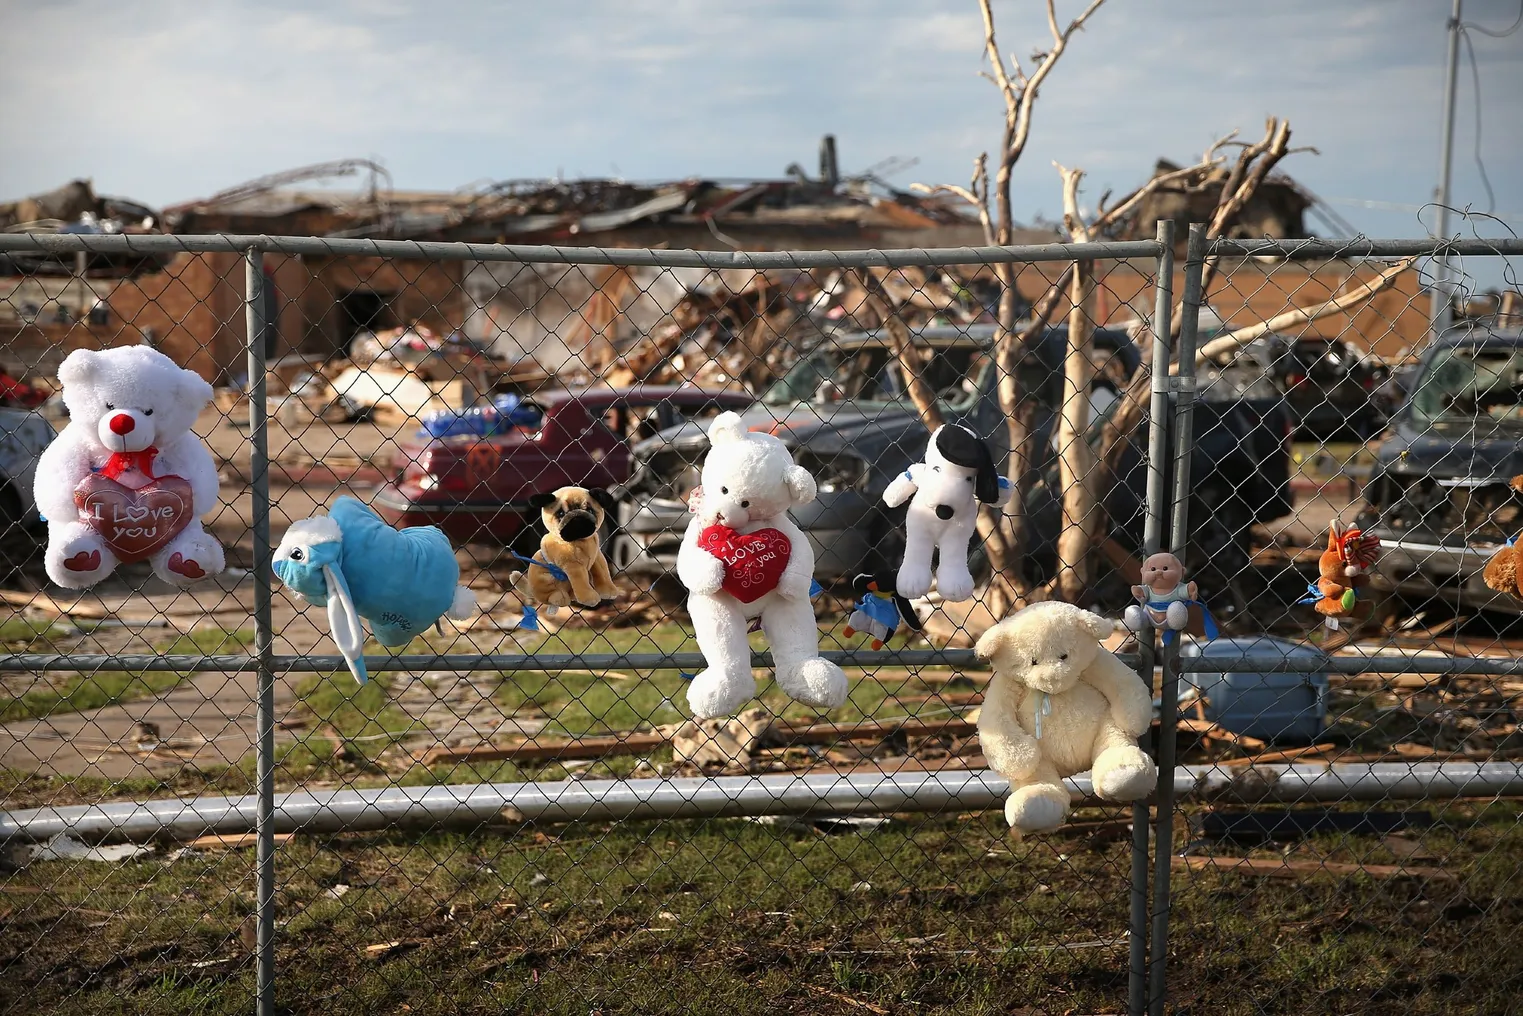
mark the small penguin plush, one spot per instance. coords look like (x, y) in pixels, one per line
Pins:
(400, 581)
(944, 493)
(879, 610)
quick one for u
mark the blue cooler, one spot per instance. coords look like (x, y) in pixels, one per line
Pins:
(1278, 708)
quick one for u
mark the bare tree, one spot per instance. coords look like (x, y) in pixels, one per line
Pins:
(1004, 534)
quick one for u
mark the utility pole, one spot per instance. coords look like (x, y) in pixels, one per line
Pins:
(1442, 310)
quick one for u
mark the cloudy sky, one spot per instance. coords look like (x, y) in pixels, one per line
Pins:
(165, 101)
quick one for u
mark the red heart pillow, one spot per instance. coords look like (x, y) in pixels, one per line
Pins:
(753, 563)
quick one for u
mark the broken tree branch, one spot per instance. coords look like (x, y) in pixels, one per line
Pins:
(911, 368)
(1235, 340)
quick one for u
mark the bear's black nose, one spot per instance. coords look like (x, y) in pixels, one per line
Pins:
(944, 511)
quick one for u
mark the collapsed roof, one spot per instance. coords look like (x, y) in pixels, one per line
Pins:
(76, 208)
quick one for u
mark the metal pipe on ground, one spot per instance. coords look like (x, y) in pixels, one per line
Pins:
(334, 811)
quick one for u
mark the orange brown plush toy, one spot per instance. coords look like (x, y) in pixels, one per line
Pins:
(1503, 572)
(1342, 575)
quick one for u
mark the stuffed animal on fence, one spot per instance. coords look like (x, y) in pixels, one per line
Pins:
(1057, 704)
(128, 479)
(944, 493)
(741, 558)
(400, 581)
(1342, 574)
(1503, 572)
(880, 610)
(570, 564)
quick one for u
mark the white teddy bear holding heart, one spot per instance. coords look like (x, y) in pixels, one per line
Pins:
(743, 558)
(128, 479)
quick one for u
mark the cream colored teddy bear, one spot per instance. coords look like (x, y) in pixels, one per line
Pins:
(1059, 704)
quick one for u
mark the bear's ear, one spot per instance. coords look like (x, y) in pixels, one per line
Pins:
(541, 501)
(195, 388)
(603, 498)
(79, 367)
(1100, 626)
(992, 641)
(801, 485)
(726, 428)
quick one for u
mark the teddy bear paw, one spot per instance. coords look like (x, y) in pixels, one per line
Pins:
(816, 682)
(79, 560)
(712, 693)
(1036, 809)
(1124, 774)
(191, 557)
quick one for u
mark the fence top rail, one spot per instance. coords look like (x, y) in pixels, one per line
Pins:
(964, 659)
(1363, 247)
(317, 246)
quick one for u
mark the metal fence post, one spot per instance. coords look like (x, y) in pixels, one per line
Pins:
(1182, 385)
(1152, 539)
(259, 472)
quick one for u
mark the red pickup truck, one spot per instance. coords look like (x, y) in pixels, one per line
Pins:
(477, 489)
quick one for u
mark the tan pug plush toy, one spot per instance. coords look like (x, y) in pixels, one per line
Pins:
(1058, 704)
(570, 564)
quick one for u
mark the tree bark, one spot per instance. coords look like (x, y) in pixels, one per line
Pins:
(910, 364)
(1076, 460)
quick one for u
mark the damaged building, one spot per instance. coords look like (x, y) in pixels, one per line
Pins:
(191, 305)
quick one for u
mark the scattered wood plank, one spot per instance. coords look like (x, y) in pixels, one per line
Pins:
(237, 841)
(1265, 868)
(1280, 755)
(1205, 728)
(871, 730)
(955, 699)
(534, 750)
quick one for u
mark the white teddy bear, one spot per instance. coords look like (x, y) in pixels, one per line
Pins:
(1058, 704)
(743, 558)
(127, 479)
(944, 493)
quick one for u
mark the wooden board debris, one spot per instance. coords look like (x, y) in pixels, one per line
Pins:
(237, 841)
(538, 750)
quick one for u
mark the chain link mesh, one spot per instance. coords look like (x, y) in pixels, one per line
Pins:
(517, 812)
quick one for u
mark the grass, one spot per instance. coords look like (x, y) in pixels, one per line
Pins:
(573, 703)
(926, 914)
(923, 915)
(76, 692)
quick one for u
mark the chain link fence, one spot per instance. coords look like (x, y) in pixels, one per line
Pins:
(204, 810)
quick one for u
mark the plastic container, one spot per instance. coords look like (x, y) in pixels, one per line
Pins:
(503, 414)
(1279, 708)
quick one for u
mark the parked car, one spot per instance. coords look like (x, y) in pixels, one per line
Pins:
(1438, 497)
(844, 410)
(1328, 385)
(23, 436)
(1393, 384)
(478, 489)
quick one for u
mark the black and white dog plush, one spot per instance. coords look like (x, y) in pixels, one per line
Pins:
(944, 493)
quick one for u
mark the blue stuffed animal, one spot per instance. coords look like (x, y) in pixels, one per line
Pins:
(400, 581)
